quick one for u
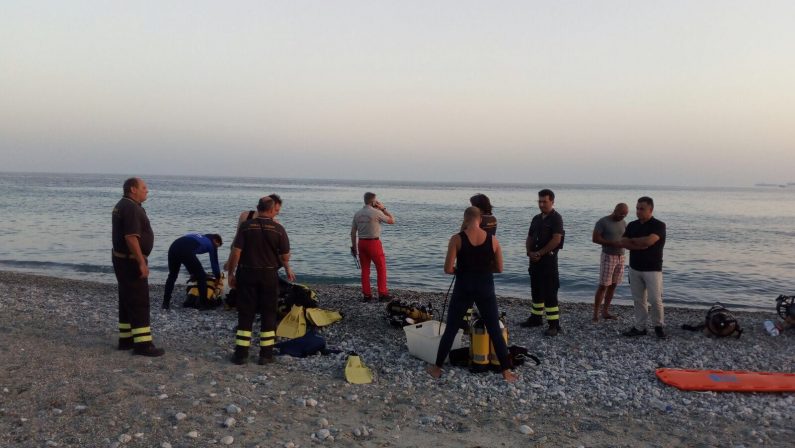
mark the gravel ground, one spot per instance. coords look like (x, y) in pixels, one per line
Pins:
(64, 384)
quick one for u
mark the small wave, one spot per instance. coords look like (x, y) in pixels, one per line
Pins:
(42, 265)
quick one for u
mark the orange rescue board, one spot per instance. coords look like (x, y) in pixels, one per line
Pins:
(727, 380)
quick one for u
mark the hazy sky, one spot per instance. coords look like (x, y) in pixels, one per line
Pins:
(617, 92)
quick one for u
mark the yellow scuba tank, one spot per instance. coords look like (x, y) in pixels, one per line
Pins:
(479, 345)
(493, 360)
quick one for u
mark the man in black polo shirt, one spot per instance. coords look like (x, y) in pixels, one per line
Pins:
(544, 240)
(645, 239)
(132, 242)
(261, 247)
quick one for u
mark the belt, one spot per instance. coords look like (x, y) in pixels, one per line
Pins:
(258, 268)
(118, 254)
(369, 238)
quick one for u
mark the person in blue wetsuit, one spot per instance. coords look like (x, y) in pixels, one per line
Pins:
(183, 251)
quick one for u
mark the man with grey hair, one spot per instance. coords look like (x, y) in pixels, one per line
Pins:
(132, 243)
(367, 226)
(645, 239)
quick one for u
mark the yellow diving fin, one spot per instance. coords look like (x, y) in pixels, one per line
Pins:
(293, 325)
(356, 372)
(321, 317)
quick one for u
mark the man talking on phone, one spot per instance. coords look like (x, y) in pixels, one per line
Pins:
(367, 226)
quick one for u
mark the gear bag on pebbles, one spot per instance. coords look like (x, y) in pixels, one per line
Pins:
(215, 290)
(295, 294)
(719, 322)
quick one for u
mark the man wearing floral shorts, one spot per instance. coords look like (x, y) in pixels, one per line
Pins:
(607, 232)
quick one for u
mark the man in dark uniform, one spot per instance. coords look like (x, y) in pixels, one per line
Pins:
(261, 247)
(132, 242)
(544, 240)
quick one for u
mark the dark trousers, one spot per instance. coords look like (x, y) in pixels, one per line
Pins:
(181, 253)
(257, 292)
(477, 289)
(544, 285)
(133, 302)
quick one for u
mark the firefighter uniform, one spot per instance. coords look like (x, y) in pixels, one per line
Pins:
(261, 241)
(129, 218)
(544, 278)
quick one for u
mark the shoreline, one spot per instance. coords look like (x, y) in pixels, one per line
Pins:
(624, 299)
(64, 384)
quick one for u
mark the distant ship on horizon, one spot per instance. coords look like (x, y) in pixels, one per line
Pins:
(764, 184)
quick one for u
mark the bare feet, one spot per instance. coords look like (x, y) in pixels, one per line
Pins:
(607, 316)
(595, 319)
(509, 376)
(435, 371)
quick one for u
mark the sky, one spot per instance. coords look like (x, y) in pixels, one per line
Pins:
(697, 93)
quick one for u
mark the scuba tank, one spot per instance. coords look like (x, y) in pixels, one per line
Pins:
(419, 314)
(479, 345)
(493, 360)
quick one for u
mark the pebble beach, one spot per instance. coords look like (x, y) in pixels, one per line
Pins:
(64, 384)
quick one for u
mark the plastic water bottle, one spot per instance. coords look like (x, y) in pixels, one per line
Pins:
(771, 328)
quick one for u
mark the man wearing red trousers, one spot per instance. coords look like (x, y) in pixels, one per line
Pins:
(367, 224)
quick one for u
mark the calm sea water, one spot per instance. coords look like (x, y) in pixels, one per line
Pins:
(736, 246)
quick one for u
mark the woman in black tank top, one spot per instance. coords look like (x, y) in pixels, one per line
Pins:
(473, 255)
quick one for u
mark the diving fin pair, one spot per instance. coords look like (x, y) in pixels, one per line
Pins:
(356, 372)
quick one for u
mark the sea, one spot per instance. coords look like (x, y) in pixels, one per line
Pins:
(735, 246)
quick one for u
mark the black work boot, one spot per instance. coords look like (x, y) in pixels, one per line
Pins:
(534, 320)
(148, 349)
(633, 332)
(265, 355)
(554, 329)
(241, 355)
(126, 344)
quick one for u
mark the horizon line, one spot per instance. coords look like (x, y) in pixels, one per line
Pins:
(404, 181)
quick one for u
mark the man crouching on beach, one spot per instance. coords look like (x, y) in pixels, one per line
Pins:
(132, 243)
(261, 247)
